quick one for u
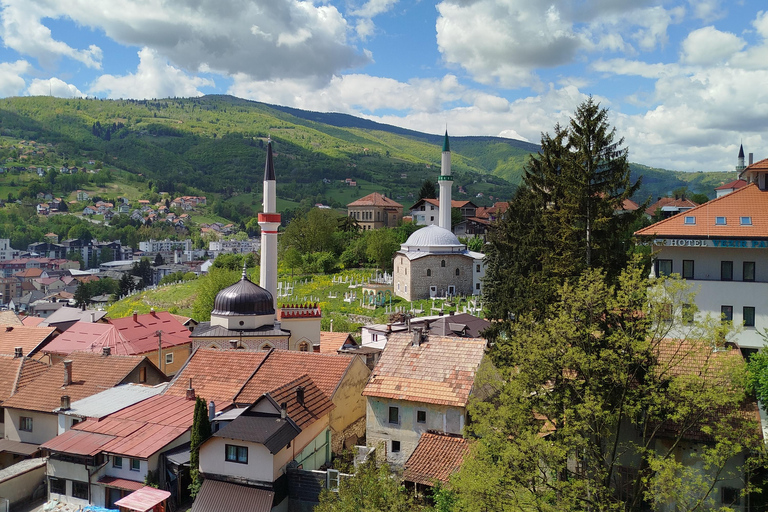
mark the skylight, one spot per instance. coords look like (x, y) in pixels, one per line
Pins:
(690, 219)
(720, 221)
(746, 221)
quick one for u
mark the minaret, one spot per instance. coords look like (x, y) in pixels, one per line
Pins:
(445, 180)
(269, 221)
(740, 163)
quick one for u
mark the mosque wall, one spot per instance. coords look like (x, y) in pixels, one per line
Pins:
(433, 275)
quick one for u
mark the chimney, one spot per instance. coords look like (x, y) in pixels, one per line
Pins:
(190, 391)
(18, 352)
(105, 351)
(64, 403)
(82, 308)
(67, 372)
(283, 407)
(152, 311)
(751, 158)
(300, 395)
(211, 411)
(450, 313)
(135, 315)
(416, 337)
(232, 343)
(93, 316)
(389, 328)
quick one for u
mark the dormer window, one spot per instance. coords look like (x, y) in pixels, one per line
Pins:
(690, 219)
(746, 221)
(720, 221)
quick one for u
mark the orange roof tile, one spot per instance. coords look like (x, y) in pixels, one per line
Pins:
(91, 373)
(32, 321)
(435, 458)
(30, 339)
(736, 184)
(748, 201)
(441, 370)
(375, 199)
(316, 403)
(331, 342)
(9, 372)
(10, 318)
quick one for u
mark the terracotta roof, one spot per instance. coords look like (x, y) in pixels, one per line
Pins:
(29, 272)
(331, 342)
(16, 372)
(31, 321)
(375, 199)
(140, 335)
(748, 201)
(30, 339)
(629, 205)
(91, 373)
(435, 458)
(441, 370)
(733, 185)
(316, 403)
(670, 202)
(10, 318)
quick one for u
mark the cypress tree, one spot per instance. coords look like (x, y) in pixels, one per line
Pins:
(201, 430)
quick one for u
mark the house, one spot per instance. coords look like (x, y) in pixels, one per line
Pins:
(101, 461)
(250, 374)
(666, 207)
(375, 211)
(63, 318)
(421, 383)
(425, 211)
(82, 195)
(434, 460)
(289, 425)
(29, 413)
(729, 187)
(719, 248)
(28, 340)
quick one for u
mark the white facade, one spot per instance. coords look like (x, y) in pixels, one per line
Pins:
(425, 215)
(165, 245)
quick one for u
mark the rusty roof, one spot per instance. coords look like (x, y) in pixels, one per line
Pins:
(435, 459)
(375, 199)
(30, 339)
(91, 373)
(748, 201)
(440, 370)
(120, 483)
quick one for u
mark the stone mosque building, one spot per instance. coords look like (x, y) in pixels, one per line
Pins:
(245, 315)
(432, 262)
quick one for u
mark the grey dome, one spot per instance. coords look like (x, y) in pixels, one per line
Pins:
(243, 298)
(432, 236)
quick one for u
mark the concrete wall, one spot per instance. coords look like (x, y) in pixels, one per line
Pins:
(407, 431)
(302, 329)
(44, 426)
(70, 472)
(22, 487)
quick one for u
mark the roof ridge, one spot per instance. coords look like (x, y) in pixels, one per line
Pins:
(258, 367)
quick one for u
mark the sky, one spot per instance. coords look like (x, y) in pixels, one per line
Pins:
(684, 80)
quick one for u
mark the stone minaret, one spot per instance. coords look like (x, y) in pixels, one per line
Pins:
(445, 180)
(269, 221)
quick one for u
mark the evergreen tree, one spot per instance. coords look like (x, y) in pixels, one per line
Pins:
(428, 190)
(565, 217)
(201, 430)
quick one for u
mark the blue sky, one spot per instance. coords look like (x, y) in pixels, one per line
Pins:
(684, 80)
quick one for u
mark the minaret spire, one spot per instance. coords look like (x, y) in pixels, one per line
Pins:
(740, 162)
(445, 180)
(269, 221)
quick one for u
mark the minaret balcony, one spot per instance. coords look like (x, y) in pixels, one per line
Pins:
(445, 178)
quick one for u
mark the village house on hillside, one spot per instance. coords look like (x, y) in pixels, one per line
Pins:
(375, 211)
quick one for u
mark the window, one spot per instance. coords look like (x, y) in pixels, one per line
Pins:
(143, 374)
(663, 267)
(236, 453)
(395, 446)
(58, 485)
(730, 496)
(745, 221)
(169, 358)
(266, 346)
(687, 269)
(117, 462)
(749, 316)
(303, 346)
(135, 465)
(25, 424)
(748, 271)
(394, 415)
(477, 286)
(686, 313)
(458, 272)
(726, 313)
(421, 416)
(79, 490)
(442, 263)
(726, 271)
(477, 268)
(720, 221)
(429, 272)
(690, 219)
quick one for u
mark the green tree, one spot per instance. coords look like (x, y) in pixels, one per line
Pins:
(428, 190)
(598, 399)
(158, 260)
(83, 294)
(292, 259)
(563, 219)
(381, 245)
(210, 285)
(371, 489)
(201, 430)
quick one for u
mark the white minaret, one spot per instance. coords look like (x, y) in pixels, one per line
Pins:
(269, 221)
(445, 180)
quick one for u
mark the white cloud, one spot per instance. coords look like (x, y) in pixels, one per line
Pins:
(154, 78)
(11, 81)
(653, 24)
(708, 46)
(53, 87)
(23, 31)
(265, 40)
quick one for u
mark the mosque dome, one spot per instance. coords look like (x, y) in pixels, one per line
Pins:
(433, 236)
(243, 298)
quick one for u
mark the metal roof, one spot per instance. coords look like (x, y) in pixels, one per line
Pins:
(216, 496)
(112, 400)
(120, 483)
(77, 442)
(17, 447)
(143, 499)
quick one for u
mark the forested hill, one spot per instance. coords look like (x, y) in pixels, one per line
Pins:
(215, 145)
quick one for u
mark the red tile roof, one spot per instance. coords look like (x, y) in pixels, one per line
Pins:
(31, 321)
(435, 458)
(316, 403)
(736, 184)
(331, 342)
(440, 370)
(748, 201)
(376, 199)
(91, 373)
(30, 339)
(10, 318)
(673, 202)
(17, 372)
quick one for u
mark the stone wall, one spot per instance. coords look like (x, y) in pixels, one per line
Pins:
(413, 274)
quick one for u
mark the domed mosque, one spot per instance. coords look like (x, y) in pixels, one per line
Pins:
(433, 262)
(245, 315)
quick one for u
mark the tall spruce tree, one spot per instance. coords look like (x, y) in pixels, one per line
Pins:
(566, 217)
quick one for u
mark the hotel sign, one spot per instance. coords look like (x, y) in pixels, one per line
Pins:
(728, 244)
